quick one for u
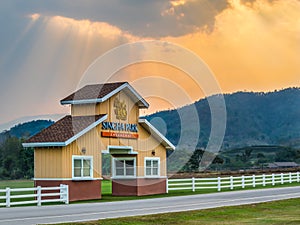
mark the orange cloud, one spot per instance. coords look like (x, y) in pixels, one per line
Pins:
(253, 47)
(177, 2)
(34, 16)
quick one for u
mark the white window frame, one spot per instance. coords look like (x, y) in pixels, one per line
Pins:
(114, 159)
(145, 168)
(90, 158)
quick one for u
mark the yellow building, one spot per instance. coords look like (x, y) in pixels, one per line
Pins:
(104, 119)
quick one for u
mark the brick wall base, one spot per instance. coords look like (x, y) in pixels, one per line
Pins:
(138, 186)
(78, 190)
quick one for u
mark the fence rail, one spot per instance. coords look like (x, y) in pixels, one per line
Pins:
(231, 182)
(37, 195)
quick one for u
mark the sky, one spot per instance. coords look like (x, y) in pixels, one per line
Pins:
(47, 46)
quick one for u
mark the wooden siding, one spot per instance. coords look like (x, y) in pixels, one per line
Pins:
(147, 144)
(107, 107)
(91, 142)
(84, 110)
(57, 162)
(48, 162)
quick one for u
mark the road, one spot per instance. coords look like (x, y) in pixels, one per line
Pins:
(94, 211)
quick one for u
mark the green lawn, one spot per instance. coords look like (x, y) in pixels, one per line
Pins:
(16, 184)
(280, 212)
(275, 213)
(106, 187)
(107, 196)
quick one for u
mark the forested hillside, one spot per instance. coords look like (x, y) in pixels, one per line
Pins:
(25, 130)
(261, 128)
(15, 161)
(252, 119)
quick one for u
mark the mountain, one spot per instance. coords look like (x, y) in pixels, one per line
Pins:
(25, 130)
(24, 119)
(252, 119)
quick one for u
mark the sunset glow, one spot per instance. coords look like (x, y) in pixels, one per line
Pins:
(249, 45)
(34, 16)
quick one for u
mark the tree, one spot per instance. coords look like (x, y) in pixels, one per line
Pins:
(261, 158)
(15, 161)
(260, 155)
(196, 160)
(193, 164)
(245, 156)
(287, 155)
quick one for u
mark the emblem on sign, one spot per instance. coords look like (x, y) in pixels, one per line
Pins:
(120, 109)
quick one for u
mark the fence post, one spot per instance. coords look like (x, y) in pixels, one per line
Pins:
(298, 178)
(273, 179)
(243, 181)
(219, 183)
(253, 180)
(167, 185)
(264, 179)
(231, 182)
(64, 193)
(193, 184)
(7, 197)
(290, 177)
(67, 194)
(281, 177)
(39, 195)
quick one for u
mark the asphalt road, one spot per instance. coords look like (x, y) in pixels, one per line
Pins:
(94, 211)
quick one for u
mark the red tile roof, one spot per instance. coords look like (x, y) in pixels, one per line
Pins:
(93, 91)
(64, 129)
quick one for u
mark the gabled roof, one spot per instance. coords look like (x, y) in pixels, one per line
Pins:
(70, 128)
(64, 131)
(96, 93)
(156, 134)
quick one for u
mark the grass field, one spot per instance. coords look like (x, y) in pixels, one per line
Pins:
(280, 212)
(275, 213)
(107, 197)
(107, 189)
(16, 184)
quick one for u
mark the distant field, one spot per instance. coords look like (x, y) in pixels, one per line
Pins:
(275, 213)
(16, 184)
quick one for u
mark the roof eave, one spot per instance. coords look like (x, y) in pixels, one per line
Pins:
(164, 141)
(44, 144)
(83, 101)
(67, 142)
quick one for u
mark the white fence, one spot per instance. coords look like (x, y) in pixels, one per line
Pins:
(231, 182)
(37, 195)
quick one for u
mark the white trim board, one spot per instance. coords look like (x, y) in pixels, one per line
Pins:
(62, 179)
(130, 148)
(138, 177)
(114, 159)
(81, 158)
(158, 166)
(161, 138)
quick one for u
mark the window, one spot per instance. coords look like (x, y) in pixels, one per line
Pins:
(82, 167)
(124, 167)
(152, 167)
